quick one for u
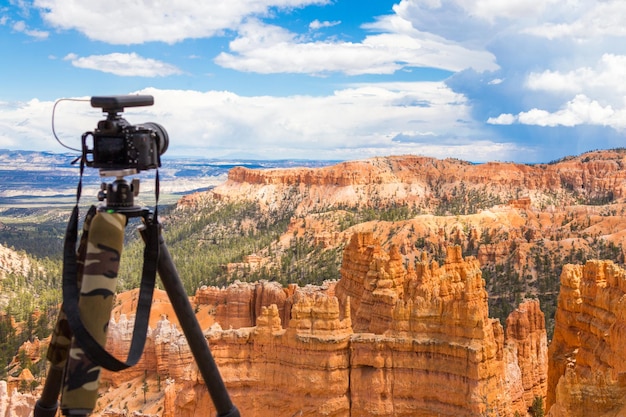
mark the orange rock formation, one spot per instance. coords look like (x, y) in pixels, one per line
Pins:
(434, 327)
(410, 179)
(527, 344)
(587, 355)
(385, 340)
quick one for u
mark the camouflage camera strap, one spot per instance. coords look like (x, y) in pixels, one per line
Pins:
(94, 350)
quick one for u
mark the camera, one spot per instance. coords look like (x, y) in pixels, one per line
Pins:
(120, 146)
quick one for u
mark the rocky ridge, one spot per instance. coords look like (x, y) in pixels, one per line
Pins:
(425, 181)
(522, 222)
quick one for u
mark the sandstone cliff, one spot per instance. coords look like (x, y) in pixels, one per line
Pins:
(385, 340)
(15, 404)
(435, 326)
(521, 222)
(424, 181)
(12, 262)
(526, 342)
(587, 359)
(359, 340)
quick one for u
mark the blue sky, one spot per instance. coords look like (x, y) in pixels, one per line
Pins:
(478, 80)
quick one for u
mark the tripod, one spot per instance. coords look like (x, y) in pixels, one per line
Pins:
(76, 352)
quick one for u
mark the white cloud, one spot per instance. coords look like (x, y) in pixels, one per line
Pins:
(354, 117)
(26, 125)
(491, 10)
(151, 20)
(270, 49)
(579, 79)
(592, 95)
(552, 19)
(583, 20)
(607, 80)
(478, 151)
(356, 122)
(468, 22)
(578, 111)
(20, 26)
(316, 24)
(262, 48)
(125, 65)
(503, 119)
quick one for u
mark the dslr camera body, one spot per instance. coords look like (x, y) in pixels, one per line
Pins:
(120, 146)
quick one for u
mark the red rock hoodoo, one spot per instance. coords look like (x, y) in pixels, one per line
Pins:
(587, 357)
(385, 340)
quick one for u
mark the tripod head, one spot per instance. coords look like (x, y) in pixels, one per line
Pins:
(120, 196)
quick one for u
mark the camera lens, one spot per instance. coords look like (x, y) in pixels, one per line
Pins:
(161, 134)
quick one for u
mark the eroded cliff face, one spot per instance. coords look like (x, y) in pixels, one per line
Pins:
(424, 334)
(529, 220)
(424, 181)
(12, 262)
(526, 347)
(385, 340)
(270, 369)
(15, 404)
(587, 356)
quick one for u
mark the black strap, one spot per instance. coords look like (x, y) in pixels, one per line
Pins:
(93, 350)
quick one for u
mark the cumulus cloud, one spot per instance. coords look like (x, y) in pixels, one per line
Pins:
(307, 121)
(478, 20)
(599, 94)
(267, 49)
(583, 20)
(316, 24)
(578, 111)
(606, 79)
(263, 48)
(356, 122)
(360, 121)
(26, 125)
(546, 63)
(492, 10)
(503, 119)
(149, 20)
(467, 22)
(125, 65)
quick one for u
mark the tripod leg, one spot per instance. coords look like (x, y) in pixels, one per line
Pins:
(58, 351)
(47, 405)
(191, 328)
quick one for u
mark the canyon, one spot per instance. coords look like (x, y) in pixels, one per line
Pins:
(405, 328)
